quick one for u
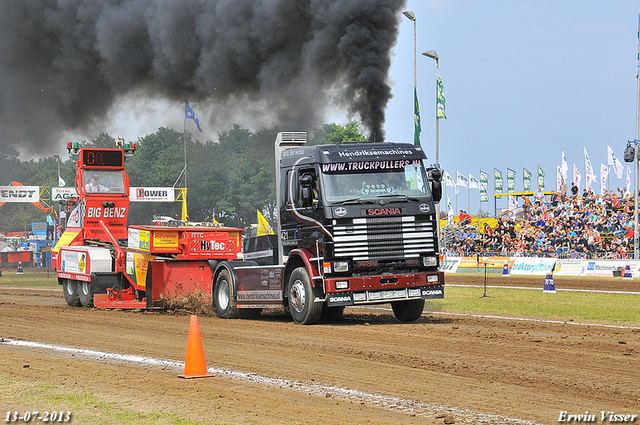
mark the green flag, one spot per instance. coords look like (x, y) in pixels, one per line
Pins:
(417, 129)
(526, 180)
(440, 98)
(541, 175)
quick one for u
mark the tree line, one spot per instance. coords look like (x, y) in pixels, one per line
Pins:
(228, 179)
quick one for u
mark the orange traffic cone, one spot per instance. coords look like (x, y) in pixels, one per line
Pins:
(195, 365)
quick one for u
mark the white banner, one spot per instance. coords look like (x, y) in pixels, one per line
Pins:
(151, 194)
(63, 193)
(19, 194)
(606, 267)
(533, 266)
(568, 267)
(450, 265)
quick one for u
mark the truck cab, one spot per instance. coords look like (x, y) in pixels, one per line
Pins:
(357, 225)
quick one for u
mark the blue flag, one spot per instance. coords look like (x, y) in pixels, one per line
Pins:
(189, 114)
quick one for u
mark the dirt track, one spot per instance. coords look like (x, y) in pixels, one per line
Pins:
(443, 367)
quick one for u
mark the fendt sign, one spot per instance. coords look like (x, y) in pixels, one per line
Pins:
(19, 193)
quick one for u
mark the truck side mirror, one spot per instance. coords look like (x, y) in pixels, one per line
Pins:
(305, 185)
(435, 175)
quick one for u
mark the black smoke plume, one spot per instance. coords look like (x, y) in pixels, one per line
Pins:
(64, 62)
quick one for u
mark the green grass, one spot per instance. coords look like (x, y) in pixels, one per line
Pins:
(32, 278)
(563, 305)
(84, 407)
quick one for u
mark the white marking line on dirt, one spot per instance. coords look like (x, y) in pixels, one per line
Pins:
(380, 401)
(31, 289)
(540, 289)
(522, 319)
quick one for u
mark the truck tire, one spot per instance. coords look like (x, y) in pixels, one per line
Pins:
(408, 311)
(301, 295)
(71, 296)
(85, 293)
(224, 301)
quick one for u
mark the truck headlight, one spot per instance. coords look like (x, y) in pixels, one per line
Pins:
(429, 261)
(342, 284)
(341, 266)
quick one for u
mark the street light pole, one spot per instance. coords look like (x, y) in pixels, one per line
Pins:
(412, 17)
(433, 55)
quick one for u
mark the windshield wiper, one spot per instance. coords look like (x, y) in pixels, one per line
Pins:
(398, 195)
(354, 201)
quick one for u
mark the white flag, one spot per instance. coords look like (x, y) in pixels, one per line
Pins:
(449, 212)
(513, 204)
(604, 173)
(61, 181)
(565, 167)
(558, 177)
(589, 174)
(462, 180)
(576, 176)
(615, 162)
(473, 182)
(449, 181)
(627, 189)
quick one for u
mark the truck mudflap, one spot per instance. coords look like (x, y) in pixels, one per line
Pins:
(383, 296)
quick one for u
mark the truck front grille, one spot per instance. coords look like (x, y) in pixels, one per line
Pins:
(384, 238)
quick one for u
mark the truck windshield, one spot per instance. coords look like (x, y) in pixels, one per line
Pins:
(410, 182)
(103, 181)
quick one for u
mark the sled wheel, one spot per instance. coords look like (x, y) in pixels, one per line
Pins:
(70, 289)
(85, 293)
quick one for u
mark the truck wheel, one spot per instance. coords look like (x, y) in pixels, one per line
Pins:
(70, 289)
(85, 293)
(408, 311)
(223, 299)
(301, 295)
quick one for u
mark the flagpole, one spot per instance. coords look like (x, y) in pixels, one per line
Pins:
(635, 190)
(184, 138)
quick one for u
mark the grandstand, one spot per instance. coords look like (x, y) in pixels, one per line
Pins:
(588, 226)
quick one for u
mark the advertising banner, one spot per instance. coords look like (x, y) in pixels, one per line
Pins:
(511, 180)
(607, 267)
(478, 264)
(568, 267)
(497, 181)
(19, 194)
(533, 266)
(151, 194)
(450, 265)
(63, 193)
(484, 183)
(526, 180)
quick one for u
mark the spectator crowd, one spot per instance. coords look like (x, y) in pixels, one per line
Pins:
(573, 226)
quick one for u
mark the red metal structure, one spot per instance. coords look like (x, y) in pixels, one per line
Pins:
(103, 263)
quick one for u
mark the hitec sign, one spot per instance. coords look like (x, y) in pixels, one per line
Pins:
(19, 193)
(151, 194)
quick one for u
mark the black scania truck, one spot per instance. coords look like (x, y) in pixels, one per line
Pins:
(357, 225)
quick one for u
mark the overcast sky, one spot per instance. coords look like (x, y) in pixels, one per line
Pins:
(522, 81)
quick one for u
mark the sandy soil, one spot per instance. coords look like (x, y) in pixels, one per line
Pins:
(365, 367)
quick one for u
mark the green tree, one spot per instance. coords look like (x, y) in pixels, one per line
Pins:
(332, 134)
